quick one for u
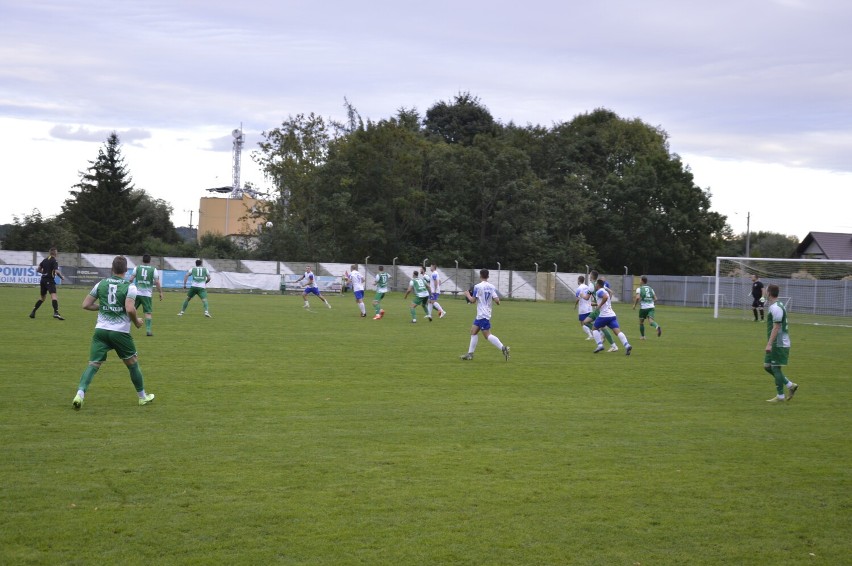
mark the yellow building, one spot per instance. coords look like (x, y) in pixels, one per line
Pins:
(228, 216)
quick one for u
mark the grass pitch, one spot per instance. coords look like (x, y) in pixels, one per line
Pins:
(281, 435)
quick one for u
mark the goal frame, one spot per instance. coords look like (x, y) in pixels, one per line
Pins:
(747, 260)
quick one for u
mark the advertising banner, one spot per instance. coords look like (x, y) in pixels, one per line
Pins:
(20, 275)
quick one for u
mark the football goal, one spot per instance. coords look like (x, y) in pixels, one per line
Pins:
(815, 291)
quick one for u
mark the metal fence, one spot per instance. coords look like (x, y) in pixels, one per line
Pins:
(803, 295)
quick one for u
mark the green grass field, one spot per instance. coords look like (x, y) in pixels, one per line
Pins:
(281, 435)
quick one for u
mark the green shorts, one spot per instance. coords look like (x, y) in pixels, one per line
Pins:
(200, 291)
(419, 301)
(105, 340)
(146, 304)
(646, 313)
(379, 297)
(593, 315)
(777, 357)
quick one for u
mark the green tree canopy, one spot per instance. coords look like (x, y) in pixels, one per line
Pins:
(33, 232)
(598, 190)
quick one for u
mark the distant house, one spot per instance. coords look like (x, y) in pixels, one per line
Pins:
(825, 245)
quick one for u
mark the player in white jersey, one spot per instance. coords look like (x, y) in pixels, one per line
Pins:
(311, 287)
(356, 281)
(484, 293)
(114, 300)
(593, 276)
(583, 304)
(607, 318)
(435, 292)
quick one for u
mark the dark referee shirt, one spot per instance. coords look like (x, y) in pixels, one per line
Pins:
(49, 266)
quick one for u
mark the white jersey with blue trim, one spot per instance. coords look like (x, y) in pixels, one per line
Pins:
(309, 279)
(484, 293)
(585, 304)
(357, 281)
(606, 308)
(434, 282)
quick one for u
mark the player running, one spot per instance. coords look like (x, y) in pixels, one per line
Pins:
(421, 296)
(483, 294)
(356, 280)
(382, 279)
(435, 292)
(607, 318)
(311, 287)
(645, 297)
(146, 276)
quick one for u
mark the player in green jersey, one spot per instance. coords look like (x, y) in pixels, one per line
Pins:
(114, 300)
(382, 280)
(200, 279)
(146, 276)
(777, 351)
(421, 295)
(645, 297)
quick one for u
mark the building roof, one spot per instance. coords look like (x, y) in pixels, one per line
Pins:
(825, 245)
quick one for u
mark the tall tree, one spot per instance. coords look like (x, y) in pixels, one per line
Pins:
(373, 179)
(155, 218)
(459, 121)
(647, 213)
(104, 209)
(291, 156)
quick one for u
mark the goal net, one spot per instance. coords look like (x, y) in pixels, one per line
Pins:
(815, 291)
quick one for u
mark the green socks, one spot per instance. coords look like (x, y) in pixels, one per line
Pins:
(87, 377)
(136, 377)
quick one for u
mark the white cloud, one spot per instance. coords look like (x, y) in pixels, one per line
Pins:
(747, 81)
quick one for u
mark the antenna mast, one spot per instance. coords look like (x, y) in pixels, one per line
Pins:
(236, 189)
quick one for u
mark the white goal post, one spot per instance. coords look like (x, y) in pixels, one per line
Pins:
(818, 291)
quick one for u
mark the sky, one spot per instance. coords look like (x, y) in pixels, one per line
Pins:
(755, 95)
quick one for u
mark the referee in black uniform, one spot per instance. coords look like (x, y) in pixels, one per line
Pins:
(49, 269)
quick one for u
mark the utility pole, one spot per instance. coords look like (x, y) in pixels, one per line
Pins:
(748, 234)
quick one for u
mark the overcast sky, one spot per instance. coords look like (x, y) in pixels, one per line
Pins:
(756, 95)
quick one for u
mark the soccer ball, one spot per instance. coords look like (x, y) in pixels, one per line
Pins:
(269, 224)
(762, 300)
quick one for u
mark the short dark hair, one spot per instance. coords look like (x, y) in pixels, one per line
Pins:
(600, 283)
(146, 258)
(773, 290)
(416, 273)
(644, 278)
(483, 273)
(198, 262)
(119, 265)
(593, 275)
(381, 268)
(581, 279)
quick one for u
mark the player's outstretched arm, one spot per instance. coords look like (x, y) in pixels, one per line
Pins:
(90, 303)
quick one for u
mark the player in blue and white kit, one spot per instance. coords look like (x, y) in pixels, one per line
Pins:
(435, 292)
(311, 287)
(593, 276)
(356, 281)
(483, 294)
(607, 318)
(583, 304)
